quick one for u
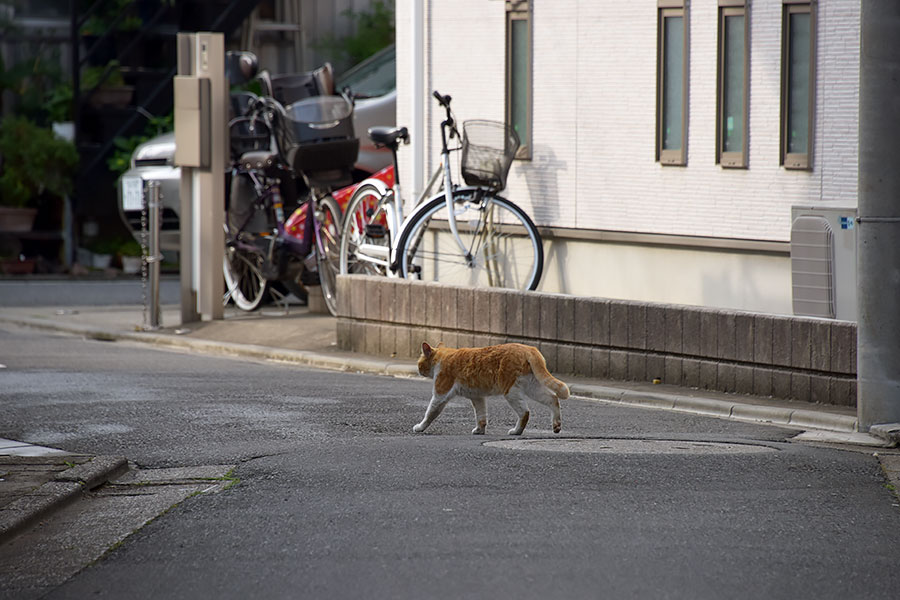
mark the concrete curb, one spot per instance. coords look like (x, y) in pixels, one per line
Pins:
(889, 432)
(66, 487)
(787, 417)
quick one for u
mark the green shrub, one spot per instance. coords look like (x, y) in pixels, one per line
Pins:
(34, 161)
(130, 247)
(92, 77)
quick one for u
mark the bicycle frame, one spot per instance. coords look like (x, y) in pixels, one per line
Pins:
(448, 181)
(392, 202)
(267, 109)
(269, 198)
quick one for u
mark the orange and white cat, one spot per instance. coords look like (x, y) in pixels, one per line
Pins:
(515, 371)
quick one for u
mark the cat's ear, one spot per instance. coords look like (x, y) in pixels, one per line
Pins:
(440, 345)
(426, 350)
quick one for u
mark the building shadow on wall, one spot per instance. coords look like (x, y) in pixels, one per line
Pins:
(541, 175)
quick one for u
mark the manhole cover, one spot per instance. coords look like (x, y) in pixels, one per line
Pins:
(630, 446)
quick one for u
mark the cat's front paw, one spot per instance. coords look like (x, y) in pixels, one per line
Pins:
(419, 428)
(556, 427)
(515, 431)
(478, 431)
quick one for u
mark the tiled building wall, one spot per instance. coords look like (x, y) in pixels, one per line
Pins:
(811, 360)
(594, 112)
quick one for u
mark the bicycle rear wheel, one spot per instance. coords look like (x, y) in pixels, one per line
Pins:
(504, 248)
(328, 244)
(365, 239)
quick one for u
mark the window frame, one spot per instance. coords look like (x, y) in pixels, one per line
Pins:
(519, 10)
(740, 160)
(797, 160)
(667, 9)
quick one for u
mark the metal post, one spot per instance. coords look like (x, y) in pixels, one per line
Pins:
(878, 259)
(154, 257)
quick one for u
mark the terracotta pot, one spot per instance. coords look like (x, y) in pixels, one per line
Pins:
(119, 96)
(14, 266)
(16, 219)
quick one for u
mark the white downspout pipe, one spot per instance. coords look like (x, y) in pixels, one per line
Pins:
(417, 84)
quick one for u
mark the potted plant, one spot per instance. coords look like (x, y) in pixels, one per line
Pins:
(16, 264)
(33, 163)
(59, 110)
(108, 85)
(102, 251)
(130, 254)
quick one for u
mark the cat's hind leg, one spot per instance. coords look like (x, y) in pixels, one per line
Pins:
(480, 415)
(431, 413)
(557, 419)
(536, 391)
(519, 404)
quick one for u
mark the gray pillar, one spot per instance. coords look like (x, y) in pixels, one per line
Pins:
(878, 276)
(201, 150)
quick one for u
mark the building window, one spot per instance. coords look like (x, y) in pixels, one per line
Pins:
(798, 77)
(732, 101)
(671, 85)
(518, 72)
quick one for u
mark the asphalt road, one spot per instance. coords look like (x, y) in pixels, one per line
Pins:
(84, 292)
(338, 498)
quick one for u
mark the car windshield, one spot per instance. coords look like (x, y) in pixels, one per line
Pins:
(375, 76)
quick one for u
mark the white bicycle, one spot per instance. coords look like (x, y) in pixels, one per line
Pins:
(462, 235)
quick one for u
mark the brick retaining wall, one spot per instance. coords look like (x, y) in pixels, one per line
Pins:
(812, 360)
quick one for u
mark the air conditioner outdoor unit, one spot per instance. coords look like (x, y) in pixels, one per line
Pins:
(823, 260)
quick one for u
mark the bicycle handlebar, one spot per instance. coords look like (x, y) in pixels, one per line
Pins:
(444, 100)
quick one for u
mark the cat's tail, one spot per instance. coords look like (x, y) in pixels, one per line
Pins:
(539, 368)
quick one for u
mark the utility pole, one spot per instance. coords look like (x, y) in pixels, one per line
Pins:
(878, 241)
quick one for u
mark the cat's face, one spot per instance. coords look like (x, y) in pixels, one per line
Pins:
(426, 360)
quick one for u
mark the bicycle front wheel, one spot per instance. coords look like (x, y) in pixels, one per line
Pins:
(328, 248)
(503, 247)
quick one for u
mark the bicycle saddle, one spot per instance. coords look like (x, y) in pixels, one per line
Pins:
(388, 136)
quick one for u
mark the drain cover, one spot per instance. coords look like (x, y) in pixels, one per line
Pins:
(630, 446)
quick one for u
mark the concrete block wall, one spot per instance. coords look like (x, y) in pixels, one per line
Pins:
(811, 360)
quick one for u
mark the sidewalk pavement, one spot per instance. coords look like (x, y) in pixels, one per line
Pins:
(34, 481)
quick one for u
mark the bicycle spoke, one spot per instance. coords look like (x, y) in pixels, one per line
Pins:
(246, 286)
(503, 249)
(365, 209)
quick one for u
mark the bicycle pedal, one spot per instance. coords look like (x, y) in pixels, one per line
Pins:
(375, 230)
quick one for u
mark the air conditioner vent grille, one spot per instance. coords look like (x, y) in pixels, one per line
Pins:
(812, 266)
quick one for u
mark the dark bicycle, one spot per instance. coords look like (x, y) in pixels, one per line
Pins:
(308, 145)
